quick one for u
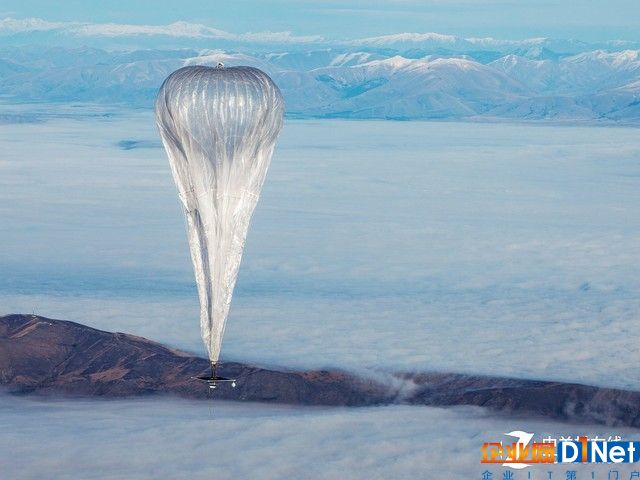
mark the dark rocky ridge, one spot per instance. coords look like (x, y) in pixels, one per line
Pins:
(53, 357)
(44, 356)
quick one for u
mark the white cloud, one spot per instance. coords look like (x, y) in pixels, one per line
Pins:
(279, 37)
(438, 38)
(165, 438)
(176, 29)
(501, 249)
(406, 37)
(13, 25)
(10, 26)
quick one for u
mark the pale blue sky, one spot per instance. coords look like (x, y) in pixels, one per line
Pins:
(588, 20)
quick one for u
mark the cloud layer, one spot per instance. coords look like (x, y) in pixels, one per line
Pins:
(165, 438)
(184, 29)
(9, 26)
(502, 249)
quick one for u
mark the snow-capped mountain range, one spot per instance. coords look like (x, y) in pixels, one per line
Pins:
(403, 76)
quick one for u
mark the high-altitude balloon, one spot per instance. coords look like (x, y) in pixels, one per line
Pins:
(219, 127)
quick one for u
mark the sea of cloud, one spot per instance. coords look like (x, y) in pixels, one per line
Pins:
(488, 248)
(166, 438)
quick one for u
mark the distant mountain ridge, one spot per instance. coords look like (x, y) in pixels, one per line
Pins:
(402, 77)
(41, 356)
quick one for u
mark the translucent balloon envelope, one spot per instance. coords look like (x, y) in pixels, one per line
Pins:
(219, 127)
